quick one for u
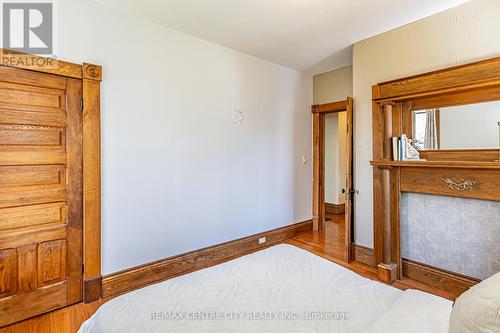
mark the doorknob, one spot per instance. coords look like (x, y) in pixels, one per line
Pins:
(351, 191)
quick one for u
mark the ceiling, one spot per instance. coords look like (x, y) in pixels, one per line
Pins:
(301, 34)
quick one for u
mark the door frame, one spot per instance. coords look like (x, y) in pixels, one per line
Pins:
(318, 205)
(91, 76)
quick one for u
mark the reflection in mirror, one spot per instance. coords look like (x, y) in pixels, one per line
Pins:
(472, 126)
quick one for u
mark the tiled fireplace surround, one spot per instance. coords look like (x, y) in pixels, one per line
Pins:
(456, 234)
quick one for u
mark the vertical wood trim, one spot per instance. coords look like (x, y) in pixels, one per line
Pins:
(318, 170)
(91, 181)
(349, 181)
(386, 185)
(398, 123)
(74, 193)
(378, 154)
(395, 222)
(438, 127)
(386, 223)
(322, 213)
(407, 119)
(387, 271)
(387, 109)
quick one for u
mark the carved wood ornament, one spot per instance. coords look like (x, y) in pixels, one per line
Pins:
(462, 185)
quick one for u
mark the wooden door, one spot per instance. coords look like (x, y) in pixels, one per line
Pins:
(318, 207)
(349, 200)
(40, 193)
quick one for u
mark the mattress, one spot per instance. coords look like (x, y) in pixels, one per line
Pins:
(279, 289)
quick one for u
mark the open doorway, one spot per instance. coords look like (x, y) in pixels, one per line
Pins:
(332, 175)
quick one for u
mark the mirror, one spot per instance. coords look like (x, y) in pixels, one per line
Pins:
(472, 126)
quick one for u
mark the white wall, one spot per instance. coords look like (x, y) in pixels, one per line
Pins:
(332, 158)
(459, 35)
(178, 173)
(335, 157)
(470, 126)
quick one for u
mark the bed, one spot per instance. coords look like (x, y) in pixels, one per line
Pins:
(279, 289)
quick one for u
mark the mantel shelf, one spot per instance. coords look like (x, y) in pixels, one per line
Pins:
(438, 164)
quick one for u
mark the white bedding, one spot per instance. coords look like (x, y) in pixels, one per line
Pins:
(275, 290)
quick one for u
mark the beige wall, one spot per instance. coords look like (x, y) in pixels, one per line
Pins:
(459, 35)
(342, 129)
(331, 87)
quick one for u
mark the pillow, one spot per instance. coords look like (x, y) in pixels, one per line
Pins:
(478, 309)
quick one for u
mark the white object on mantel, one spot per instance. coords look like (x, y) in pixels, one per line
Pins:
(410, 153)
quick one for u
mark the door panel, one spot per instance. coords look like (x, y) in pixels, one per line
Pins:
(8, 272)
(31, 175)
(33, 215)
(40, 193)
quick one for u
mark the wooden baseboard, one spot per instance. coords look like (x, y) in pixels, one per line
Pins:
(450, 282)
(334, 209)
(363, 254)
(143, 275)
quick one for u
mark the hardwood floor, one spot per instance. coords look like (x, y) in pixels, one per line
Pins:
(328, 244)
(330, 241)
(66, 320)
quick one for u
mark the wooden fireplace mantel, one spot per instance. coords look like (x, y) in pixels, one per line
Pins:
(466, 173)
(438, 164)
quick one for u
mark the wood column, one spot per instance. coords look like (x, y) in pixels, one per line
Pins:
(386, 269)
(92, 76)
(318, 170)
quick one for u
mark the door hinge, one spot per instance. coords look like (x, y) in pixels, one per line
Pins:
(83, 267)
(81, 104)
